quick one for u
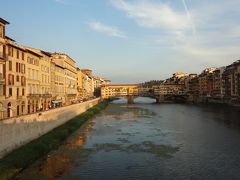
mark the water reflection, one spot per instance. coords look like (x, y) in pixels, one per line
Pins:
(149, 141)
(58, 163)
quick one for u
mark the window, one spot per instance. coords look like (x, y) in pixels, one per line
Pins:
(17, 78)
(23, 81)
(23, 106)
(9, 112)
(10, 91)
(18, 110)
(10, 65)
(11, 79)
(17, 92)
(19, 67)
(22, 55)
(17, 54)
(23, 92)
(10, 51)
(17, 70)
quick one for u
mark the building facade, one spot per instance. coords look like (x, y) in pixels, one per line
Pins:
(70, 79)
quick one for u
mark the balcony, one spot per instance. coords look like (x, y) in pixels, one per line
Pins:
(34, 95)
(71, 95)
(46, 95)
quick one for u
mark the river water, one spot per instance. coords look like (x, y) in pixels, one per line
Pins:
(148, 141)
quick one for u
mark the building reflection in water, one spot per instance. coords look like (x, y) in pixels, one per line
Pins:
(58, 165)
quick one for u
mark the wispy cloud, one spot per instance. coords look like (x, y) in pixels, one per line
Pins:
(189, 16)
(60, 1)
(154, 15)
(106, 29)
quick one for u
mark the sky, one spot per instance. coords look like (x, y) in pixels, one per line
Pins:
(130, 41)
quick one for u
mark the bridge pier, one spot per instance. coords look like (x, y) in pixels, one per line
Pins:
(160, 99)
(130, 99)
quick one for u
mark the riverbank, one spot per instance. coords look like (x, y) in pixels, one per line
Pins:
(22, 157)
(215, 101)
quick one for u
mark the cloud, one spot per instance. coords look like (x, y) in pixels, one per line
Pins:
(60, 1)
(108, 30)
(189, 16)
(154, 15)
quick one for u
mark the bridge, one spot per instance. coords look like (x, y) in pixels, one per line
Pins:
(161, 93)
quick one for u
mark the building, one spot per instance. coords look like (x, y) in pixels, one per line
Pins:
(15, 79)
(44, 76)
(12, 76)
(119, 90)
(188, 82)
(3, 58)
(169, 89)
(231, 81)
(33, 81)
(98, 82)
(70, 80)
(206, 82)
(89, 82)
(81, 90)
(217, 82)
(57, 84)
(194, 86)
(177, 78)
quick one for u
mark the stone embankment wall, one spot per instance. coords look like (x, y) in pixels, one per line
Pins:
(18, 131)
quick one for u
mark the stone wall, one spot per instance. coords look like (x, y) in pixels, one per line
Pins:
(18, 131)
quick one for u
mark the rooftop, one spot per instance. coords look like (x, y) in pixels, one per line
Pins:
(4, 21)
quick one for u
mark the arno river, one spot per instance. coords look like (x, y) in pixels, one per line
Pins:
(149, 141)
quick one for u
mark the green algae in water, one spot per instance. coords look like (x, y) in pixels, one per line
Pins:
(123, 140)
(159, 150)
(108, 147)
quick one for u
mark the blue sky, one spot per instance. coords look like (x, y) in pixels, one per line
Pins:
(130, 41)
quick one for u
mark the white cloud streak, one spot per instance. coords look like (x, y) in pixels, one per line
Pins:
(60, 1)
(108, 30)
(154, 15)
(189, 16)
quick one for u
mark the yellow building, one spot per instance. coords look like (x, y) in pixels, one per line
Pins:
(12, 76)
(88, 82)
(170, 89)
(33, 81)
(44, 77)
(119, 90)
(15, 79)
(81, 91)
(70, 79)
(57, 83)
(3, 55)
